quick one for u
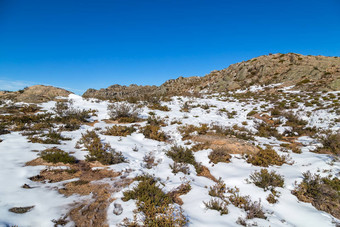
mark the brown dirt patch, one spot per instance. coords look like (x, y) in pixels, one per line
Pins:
(91, 123)
(233, 145)
(206, 173)
(89, 212)
(264, 117)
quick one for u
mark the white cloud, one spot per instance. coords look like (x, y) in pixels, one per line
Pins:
(14, 85)
(9, 85)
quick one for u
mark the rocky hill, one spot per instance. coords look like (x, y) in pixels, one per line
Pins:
(35, 94)
(305, 72)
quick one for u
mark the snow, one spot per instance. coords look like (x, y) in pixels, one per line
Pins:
(15, 151)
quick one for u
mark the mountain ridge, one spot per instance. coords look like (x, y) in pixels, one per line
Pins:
(306, 72)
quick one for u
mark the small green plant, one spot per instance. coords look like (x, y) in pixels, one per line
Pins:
(184, 155)
(154, 204)
(56, 155)
(99, 151)
(267, 180)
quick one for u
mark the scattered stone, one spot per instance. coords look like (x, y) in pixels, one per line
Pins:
(118, 210)
(26, 186)
(21, 210)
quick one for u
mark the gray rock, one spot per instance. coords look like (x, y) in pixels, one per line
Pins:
(118, 209)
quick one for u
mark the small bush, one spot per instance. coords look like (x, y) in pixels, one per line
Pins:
(150, 160)
(158, 106)
(218, 189)
(266, 180)
(156, 121)
(217, 204)
(330, 144)
(118, 130)
(266, 157)
(184, 155)
(219, 155)
(179, 167)
(152, 132)
(266, 130)
(124, 112)
(51, 137)
(154, 204)
(253, 209)
(322, 192)
(56, 155)
(99, 151)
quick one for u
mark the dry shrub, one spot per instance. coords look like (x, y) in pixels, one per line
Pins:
(217, 204)
(267, 180)
(179, 167)
(322, 192)
(154, 204)
(187, 130)
(52, 137)
(330, 144)
(218, 189)
(152, 132)
(124, 112)
(118, 130)
(150, 160)
(253, 209)
(266, 157)
(219, 155)
(99, 151)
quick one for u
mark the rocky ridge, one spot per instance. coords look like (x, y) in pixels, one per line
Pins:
(305, 72)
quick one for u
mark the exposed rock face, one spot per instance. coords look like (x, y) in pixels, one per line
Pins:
(306, 72)
(118, 91)
(36, 94)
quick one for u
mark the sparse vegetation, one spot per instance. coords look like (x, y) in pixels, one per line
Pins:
(153, 132)
(56, 155)
(154, 204)
(219, 155)
(266, 157)
(217, 204)
(183, 155)
(118, 130)
(267, 180)
(322, 192)
(124, 112)
(99, 151)
(330, 144)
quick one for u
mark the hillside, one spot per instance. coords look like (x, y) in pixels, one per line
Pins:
(315, 73)
(35, 94)
(242, 158)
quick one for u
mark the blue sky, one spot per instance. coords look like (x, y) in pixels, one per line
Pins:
(94, 44)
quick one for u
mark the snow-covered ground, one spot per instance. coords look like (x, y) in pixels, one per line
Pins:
(15, 151)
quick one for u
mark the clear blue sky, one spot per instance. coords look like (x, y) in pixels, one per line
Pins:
(93, 44)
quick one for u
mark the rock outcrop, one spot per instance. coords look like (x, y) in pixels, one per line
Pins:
(312, 73)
